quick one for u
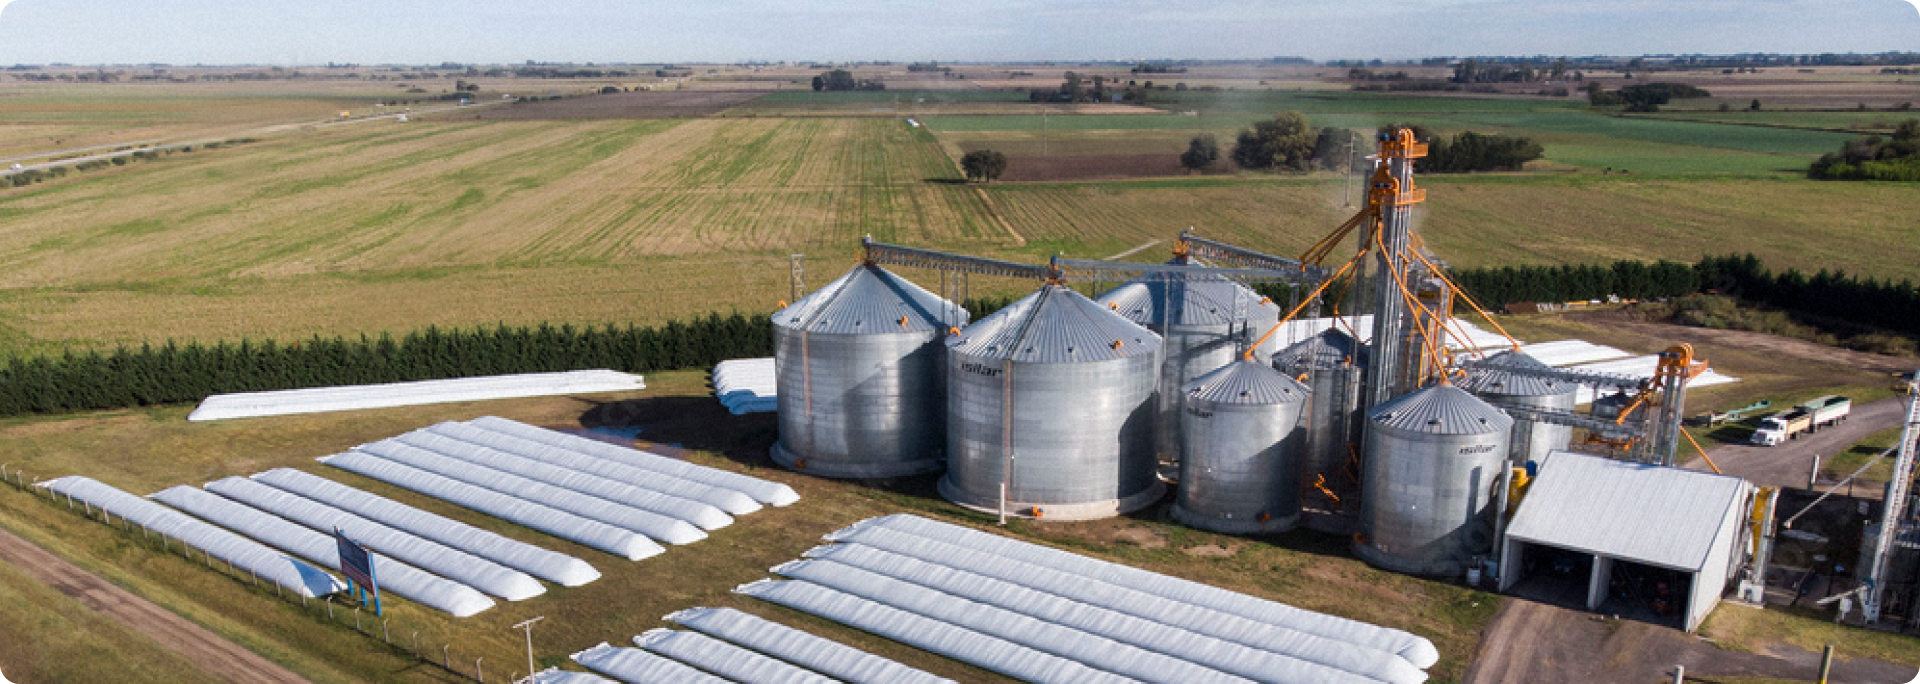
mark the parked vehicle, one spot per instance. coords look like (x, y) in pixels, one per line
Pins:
(1807, 417)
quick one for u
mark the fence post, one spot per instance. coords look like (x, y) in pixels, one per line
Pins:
(478, 675)
(385, 635)
(329, 607)
(446, 660)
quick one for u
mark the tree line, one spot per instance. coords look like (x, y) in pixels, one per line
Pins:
(1289, 142)
(1896, 158)
(172, 373)
(1828, 295)
(1495, 288)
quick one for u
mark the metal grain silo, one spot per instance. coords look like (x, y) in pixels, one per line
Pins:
(861, 390)
(1433, 459)
(1531, 440)
(1333, 366)
(1241, 440)
(1062, 389)
(1204, 324)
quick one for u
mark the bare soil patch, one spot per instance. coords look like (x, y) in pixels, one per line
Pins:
(1091, 167)
(1212, 551)
(211, 652)
(649, 104)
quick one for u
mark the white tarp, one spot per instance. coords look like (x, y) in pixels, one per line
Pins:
(764, 491)
(591, 533)
(727, 500)
(1560, 353)
(552, 566)
(393, 576)
(1144, 632)
(819, 654)
(449, 562)
(1264, 636)
(355, 397)
(1416, 650)
(1067, 642)
(1640, 367)
(724, 659)
(701, 515)
(559, 676)
(658, 527)
(986, 651)
(635, 666)
(747, 386)
(245, 554)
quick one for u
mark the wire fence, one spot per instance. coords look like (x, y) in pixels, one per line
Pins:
(423, 644)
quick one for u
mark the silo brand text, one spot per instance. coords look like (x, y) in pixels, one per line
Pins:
(1476, 449)
(980, 368)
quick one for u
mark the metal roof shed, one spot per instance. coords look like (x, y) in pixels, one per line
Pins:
(1679, 520)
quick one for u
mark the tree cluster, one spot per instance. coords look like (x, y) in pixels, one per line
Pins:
(1644, 97)
(841, 80)
(1469, 152)
(1896, 158)
(173, 373)
(1827, 294)
(1282, 144)
(983, 165)
(1074, 88)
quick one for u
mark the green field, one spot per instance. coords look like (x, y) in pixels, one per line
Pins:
(383, 226)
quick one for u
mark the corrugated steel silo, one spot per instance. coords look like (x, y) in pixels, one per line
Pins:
(1334, 366)
(1063, 388)
(1531, 440)
(1204, 324)
(861, 390)
(1241, 440)
(1433, 458)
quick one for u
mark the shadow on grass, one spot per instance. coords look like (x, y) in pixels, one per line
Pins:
(698, 423)
(944, 181)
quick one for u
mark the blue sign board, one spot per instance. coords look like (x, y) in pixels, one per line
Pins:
(357, 564)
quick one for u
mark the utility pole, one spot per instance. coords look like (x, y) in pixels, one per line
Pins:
(526, 626)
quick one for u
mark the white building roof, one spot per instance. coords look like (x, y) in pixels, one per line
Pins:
(1648, 514)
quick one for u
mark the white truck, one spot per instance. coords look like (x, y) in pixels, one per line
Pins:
(1808, 417)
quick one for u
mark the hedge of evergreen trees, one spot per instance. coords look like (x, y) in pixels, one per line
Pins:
(1832, 295)
(172, 372)
(1495, 288)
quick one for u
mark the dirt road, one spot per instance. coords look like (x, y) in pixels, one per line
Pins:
(1535, 642)
(214, 655)
(1787, 465)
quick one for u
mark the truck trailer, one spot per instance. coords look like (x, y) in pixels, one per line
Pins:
(1808, 417)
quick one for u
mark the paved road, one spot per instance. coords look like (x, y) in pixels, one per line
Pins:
(210, 651)
(1787, 465)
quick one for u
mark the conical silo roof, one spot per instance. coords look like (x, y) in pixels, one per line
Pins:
(1187, 302)
(1440, 410)
(1331, 348)
(1246, 381)
(1495, 381)
(1055, 325)
(870, 299)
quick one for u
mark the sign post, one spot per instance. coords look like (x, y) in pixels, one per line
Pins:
(357, 564)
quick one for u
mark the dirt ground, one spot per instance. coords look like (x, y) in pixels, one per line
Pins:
(1775, 346)
(650, 104)
(1091, 167)
(215, 655)
(1534, 642)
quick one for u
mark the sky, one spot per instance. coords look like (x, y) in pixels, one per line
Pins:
(290, 32)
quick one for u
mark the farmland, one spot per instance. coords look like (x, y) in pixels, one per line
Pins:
(647, 206)
(560, 213)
